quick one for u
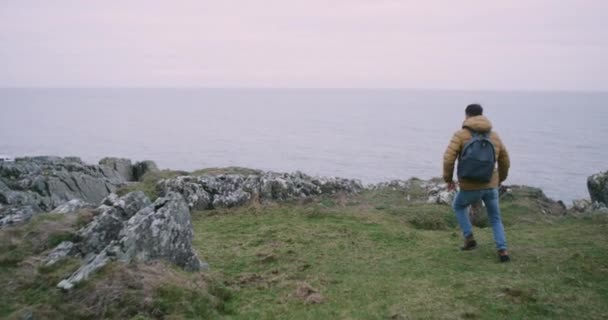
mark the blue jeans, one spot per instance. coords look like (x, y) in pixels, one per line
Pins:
(490, 198)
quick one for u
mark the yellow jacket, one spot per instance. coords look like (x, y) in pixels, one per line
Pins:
(479, 124)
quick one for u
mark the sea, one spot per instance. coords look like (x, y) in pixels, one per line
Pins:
(555, 139)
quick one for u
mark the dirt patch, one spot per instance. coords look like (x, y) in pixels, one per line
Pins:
(249, 278)
(309, 294)
(266, 257)
(519, 295)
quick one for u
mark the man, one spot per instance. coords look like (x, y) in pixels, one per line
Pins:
(474, 190)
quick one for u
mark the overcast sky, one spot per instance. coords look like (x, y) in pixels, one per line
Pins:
(466, 44)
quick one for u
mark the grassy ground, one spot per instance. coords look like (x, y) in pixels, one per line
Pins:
(371, 256)
(376, 256)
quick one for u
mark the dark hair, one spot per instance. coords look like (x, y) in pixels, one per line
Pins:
(474, 110)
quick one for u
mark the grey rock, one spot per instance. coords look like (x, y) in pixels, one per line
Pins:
(231, 199)
(62, 251)
(112, 217)
(597, 185)
(44, 183)
(98, 234)
(93, 264)
(71, 207)
(131, 203)
(231, 190)
(581, 206)
(123, 166)
(333, 185)
(12, 215)
(438, 192)
(191, 188)
(161, 230)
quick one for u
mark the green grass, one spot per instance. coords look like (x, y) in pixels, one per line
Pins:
(385, 258)
(226, 170)
(376, 255)
(148, 183)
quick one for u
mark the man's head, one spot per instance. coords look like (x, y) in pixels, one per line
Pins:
(473, 110)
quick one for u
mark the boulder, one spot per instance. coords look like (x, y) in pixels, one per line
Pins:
(597, 185)
(159, 230)
(162, 230)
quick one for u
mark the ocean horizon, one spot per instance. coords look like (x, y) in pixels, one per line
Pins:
(555, 139)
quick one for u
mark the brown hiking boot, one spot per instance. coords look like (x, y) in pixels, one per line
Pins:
(503, 255)
(469, 243)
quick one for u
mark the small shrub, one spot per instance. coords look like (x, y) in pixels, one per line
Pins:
(57, 238)
(382, 207)
(328, 203)
(148, 183)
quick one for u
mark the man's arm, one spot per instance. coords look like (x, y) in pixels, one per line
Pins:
(450, 156)
(504, 163)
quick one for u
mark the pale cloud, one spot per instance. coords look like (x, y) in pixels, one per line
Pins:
(547, 45)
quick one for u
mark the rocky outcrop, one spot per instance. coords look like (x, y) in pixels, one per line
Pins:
(41, 184)
(597, 185)
(132, 228)
(127, 170)
(124, 167)
(231, 190)
(545, 204)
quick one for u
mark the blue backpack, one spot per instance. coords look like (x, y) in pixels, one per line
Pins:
(477, 158)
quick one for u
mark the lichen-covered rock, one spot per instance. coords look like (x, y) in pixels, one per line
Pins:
(44, 183)
(231, 190)
(191, 188)
(92, 264)
(11, 215)
(110, 220)
(597, 185)
(71, 207)
(159, 230)
(62, 251)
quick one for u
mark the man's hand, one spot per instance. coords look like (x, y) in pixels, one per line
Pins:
(451, 186)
